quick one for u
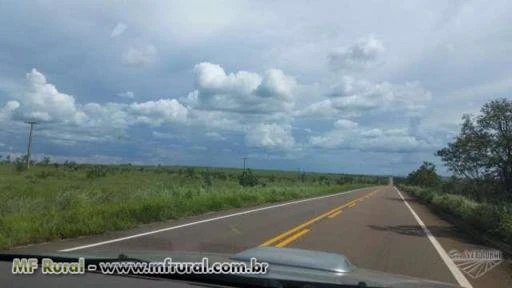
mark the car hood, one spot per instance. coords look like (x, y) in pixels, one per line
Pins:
(285, 264)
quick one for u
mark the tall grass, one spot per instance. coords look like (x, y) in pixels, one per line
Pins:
(494, 220)
(54, 202)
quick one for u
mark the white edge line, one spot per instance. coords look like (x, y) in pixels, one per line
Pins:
(461, 279)
(203, 221)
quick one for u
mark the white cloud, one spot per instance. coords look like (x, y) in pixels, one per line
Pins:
(321, 108)
(271, 136)
(211, 78)
(371, 133)
(109, 115)
(277, 84)
(8, 109)
(217, 119)
(242, 92)
(371, 139)
(156, 112)
(332, 140)
(43, 102)
(139, 56)
(126, 94)
(118, 30)
(345, 124)
(350, 97)
(362, 54)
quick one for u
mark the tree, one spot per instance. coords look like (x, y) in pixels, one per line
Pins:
(467, 155)
(425, 176)
(483, 150)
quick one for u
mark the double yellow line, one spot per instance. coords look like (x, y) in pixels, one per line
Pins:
(293, 234)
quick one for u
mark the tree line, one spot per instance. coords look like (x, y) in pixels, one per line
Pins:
(480, 156)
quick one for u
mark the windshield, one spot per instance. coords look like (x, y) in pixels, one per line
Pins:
(380, 132)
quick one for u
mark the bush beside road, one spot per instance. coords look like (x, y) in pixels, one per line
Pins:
(492, 220)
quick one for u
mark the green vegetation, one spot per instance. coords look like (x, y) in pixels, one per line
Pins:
(480, 158)
(53, 201)
(491, 220)
(425, 176)
(483, 150)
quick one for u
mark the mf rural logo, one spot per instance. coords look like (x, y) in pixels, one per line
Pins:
(476, 263)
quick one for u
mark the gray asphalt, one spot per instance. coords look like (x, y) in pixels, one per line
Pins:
(372, 227)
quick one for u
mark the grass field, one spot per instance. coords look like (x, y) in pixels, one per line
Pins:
(58, 201)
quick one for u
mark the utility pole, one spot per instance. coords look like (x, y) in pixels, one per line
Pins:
(29, 148)
(245, 159)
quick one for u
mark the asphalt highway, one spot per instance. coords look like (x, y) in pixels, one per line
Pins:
(378, 228)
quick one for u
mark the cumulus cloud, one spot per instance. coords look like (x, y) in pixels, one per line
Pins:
(8, 109)
(43, 102)
(109, 115)
(361, 54)
(156, 112)
(118, 30)
(271, 136)
(126, 94)
(139, 56)
(243, 91)
(276, 84)
(350, 97)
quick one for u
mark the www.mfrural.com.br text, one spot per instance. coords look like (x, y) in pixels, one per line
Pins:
(167, 266)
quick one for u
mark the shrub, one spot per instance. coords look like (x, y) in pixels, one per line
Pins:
(206, 179)
(44, 174)
(247, 178)
(20, 163)
(190, 172)
(96, 172)
(491, 219)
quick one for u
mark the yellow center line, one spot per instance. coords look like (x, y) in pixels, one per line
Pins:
(352, 205)
(290, 232)
(299, 227)
(335, 214)
(292, 238)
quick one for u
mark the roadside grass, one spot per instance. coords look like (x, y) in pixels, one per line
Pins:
(493, 220)
(55, 202)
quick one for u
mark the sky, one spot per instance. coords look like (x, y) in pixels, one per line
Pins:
(366, 87)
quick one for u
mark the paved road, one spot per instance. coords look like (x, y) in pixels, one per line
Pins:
(377, 228)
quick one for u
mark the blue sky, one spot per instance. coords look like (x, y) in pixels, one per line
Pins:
(341, 86)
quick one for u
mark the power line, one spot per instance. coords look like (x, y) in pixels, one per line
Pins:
(29, 148)
(245, 159)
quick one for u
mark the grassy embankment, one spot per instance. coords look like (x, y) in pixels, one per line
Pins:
(62, 201)
(492, 220)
